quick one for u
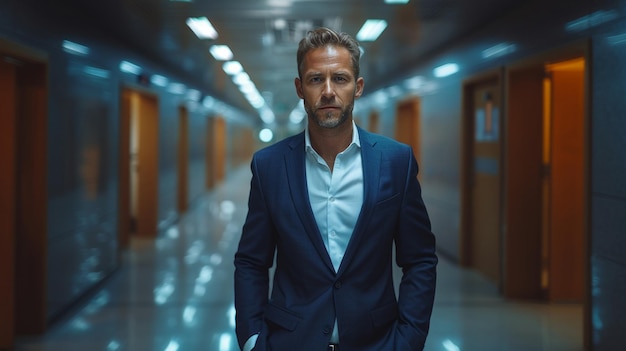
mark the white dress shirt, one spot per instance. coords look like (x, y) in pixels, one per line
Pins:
(336, 198)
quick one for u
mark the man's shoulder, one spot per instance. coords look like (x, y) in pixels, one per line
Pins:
(281, 147)
(381, 142)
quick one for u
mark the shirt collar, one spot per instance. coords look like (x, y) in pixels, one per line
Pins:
(356, 141)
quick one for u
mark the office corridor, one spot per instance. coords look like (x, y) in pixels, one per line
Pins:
(175, 294)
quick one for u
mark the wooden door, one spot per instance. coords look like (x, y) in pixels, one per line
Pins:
(183, 159)
(408, 125)
(485, 185)
(7, 202)
(138, 165)
(566, 209)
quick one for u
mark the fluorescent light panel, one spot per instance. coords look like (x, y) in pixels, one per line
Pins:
(159, 80)
(396, 1)
(446, 70)
(129, 67)
(371, 30)
(202, 27)
(221, 52)
(232, 67)
(75, 48)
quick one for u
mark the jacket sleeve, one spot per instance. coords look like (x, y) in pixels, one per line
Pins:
(415, 254)
(253, 259)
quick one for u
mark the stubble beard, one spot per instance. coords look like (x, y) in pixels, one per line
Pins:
(328, 120)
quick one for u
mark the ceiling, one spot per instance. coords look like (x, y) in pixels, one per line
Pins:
(268, 54)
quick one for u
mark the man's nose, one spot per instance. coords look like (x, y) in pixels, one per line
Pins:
(329, 90)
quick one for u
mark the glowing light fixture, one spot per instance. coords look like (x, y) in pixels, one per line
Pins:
(371, 30)
(446, 70)
(266, 135)
(498, 50)
(159, 80)
(396, 1)
(74, 48)
(202, 27)
(221, 52)
(232, 67)
(592, 20)
(96, 72)
(129, 67)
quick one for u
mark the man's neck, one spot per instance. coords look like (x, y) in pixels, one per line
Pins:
(328, 142)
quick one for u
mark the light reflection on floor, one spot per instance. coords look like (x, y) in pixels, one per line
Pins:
(176, 294)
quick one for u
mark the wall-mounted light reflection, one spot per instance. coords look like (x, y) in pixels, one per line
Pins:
(130, 67)
(97, 72)
(446, 70)
(595, 19)
(159, 80)
(176, 88)
(74, 48)
(498, 50)
(394, 91)
(618, 39)
(380, 97)
(193, 95)
(80, 324)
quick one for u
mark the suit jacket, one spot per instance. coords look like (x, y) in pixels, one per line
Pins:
(307, 294)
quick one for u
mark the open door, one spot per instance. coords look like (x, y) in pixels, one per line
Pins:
(564, 181)
(23, 185)
(546, 205)
(138, 207)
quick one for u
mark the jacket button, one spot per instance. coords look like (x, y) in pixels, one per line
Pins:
(337, 285)
(326, 330)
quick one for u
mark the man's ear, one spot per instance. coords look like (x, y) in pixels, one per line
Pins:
(360, 83)
(298, 84)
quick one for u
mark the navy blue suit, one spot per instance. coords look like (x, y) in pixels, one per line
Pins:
(307, 294)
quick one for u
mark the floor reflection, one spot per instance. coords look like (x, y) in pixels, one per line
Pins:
(176, 294)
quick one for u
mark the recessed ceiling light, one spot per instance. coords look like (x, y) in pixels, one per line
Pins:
(371, 30)
(202, 27)
(221, 52)
(446, 70)
(396, 1)
(232, 67)
(75, 48)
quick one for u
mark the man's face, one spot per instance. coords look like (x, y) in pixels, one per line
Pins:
(328, 86)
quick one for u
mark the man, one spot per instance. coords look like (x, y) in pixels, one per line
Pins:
(328, 204)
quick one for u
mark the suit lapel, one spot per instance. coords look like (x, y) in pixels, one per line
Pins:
(296, 177)
(371, 159)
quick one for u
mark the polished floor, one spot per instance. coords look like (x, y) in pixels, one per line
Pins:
(175, 293)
